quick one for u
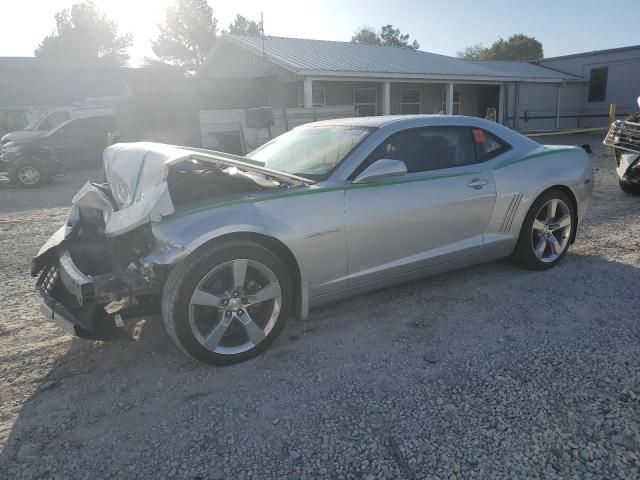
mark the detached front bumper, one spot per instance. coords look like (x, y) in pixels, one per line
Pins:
(56, 312)
(67, 298)
(88, 296)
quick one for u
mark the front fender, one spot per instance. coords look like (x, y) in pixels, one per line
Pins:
(180, 235)
(41, 153)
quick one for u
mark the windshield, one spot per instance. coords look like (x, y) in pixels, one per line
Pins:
(34, 122)
(311, 152)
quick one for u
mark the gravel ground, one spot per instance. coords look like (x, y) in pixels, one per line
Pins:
(490, 372)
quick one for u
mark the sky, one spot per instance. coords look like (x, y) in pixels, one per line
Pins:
(445, 27)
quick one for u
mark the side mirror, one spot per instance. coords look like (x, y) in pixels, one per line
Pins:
(381, 169)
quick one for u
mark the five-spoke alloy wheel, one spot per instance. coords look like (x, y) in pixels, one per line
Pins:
(235, 306)
(228, 302)
(551, 230)
(546, 231)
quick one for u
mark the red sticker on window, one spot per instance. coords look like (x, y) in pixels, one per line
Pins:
(478, 135)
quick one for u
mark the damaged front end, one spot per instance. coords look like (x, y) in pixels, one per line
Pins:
(624, 138)
(102, 265)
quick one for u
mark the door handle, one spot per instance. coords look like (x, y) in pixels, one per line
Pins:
(477, 183)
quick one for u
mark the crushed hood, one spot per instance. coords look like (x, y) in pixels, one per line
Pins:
(137, 174)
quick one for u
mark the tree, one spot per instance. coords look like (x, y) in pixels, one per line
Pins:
(85, 34)
(187, 34)
(392, 37)
(366, 36)
(516, 47)
(388, 37)
(474, 52)
(243, 26)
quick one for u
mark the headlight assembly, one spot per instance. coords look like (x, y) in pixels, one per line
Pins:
(121, 193)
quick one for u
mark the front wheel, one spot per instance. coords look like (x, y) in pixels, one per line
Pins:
(29, 173)
(546, 231)
(629, 187)
(227, 303)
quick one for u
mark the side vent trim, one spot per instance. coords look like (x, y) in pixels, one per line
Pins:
(507, 222)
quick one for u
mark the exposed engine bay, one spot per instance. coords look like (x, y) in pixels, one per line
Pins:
(100, 266)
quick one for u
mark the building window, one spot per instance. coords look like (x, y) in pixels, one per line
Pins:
(409, 101)
(318, 97)
(457, 101)
(598, 84)
(366, 101)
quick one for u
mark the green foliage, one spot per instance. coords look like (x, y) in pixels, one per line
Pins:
(187, 34)
(243, 26)
(473, 52)
(85, 35)
(388, 37)
(392, 37)
(366, 36)
(516, 47)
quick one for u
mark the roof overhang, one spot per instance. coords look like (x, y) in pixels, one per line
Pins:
(432, 78)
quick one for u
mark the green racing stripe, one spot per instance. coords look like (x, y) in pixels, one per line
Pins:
(313, 191)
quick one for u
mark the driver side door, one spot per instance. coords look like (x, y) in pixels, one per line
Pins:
(437, 212)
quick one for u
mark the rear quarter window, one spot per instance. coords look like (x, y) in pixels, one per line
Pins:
(488, 145)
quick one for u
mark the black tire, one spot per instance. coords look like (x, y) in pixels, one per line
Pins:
(184, 279)
(35, 166)
(524, 252)
(629, 187)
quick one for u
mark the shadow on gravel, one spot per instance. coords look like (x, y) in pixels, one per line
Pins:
(366, 358)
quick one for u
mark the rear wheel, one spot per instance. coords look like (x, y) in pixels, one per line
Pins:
(546, 231)
(629, 187)
(227, 303)
(29, 172)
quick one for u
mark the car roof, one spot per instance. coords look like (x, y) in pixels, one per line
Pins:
(399, 122)
(409, 120)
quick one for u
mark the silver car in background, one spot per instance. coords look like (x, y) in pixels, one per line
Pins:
(227, 247)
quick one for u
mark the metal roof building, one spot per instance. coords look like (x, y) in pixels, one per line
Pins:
(321, 57)
(377, 80)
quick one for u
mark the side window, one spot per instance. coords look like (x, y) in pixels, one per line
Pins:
(429, 148)
(90, 127)
(53, 120)
(72, 129)
(104, 125)
(488, 145)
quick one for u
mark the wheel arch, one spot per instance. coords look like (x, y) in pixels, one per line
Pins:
(574, 203)
(28, 157)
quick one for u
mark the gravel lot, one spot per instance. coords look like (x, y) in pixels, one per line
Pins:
(490, 372)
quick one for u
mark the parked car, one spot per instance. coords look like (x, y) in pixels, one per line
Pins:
(51, 119)
(624, 138)
(30, 162)
(228, 247)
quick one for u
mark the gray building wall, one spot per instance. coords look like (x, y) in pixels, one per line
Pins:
(623, 83)
(235, 62)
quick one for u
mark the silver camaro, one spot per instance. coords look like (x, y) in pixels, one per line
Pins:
(227, 247)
